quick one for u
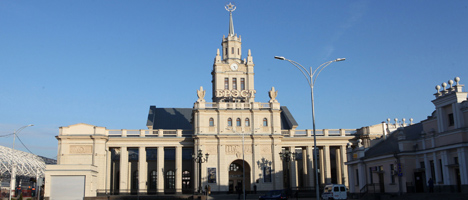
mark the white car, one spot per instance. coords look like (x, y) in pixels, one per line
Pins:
(334, 191)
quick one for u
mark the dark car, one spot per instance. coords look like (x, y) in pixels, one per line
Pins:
(274, 194)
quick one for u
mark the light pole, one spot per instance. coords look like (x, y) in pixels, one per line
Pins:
(288, 156)
(311, 78)
(198, 158)
(13, 167)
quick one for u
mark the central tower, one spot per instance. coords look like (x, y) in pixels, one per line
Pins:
(233, 77)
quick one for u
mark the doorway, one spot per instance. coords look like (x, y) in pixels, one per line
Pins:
(419, 181)
(236, 176)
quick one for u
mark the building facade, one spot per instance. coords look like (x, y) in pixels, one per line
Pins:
(430, 156)
(239, 141)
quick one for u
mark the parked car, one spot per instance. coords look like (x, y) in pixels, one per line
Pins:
(274, 194)
(334, 191)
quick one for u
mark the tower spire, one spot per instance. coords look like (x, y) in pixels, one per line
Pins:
(230, 7)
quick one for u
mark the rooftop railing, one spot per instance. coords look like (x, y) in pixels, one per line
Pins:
(189, 133)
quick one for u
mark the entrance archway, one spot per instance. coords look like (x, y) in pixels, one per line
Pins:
(236, 176)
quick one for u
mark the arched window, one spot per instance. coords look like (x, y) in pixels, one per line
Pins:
(211, 122)
(229, 122)
(247, 122)
(265, 122)
(238, 122)
(170, 180)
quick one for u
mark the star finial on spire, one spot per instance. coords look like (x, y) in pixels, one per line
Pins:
(230, 7)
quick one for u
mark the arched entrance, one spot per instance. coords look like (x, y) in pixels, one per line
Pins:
(236, 176)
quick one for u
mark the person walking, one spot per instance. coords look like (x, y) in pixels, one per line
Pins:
(431, 185)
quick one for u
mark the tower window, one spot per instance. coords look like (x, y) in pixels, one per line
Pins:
(247, 122)
(211, 122)
(265, 122)
(225, 51)
(226, 83)
(229, 122)
(234, 83)
(238, 122)
(232, 50)
(451, 120)
(242, 84)
(238, 51)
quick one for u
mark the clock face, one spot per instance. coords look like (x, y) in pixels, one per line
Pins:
(234, 66)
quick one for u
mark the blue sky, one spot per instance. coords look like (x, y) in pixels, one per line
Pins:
(105, 62)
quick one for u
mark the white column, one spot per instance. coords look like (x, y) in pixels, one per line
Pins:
(142, 170)
(160, 177)
(344, 167)
(310, 166)
(292, 169)
(339, 177)
(305, 170)
(178, 171)
(436, 169)
(462, 165)
(427, 166)
(223, 169)
(108, 170)
(445, 169)
(327, 163)
(124, 170)
(322, 166)
(277, 171)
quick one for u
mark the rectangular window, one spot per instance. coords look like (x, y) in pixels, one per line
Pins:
(392, 173)
(226, 83)
(232, 50)
(451, 120)
(267, 174)
(421, 164)
(225, 51)
(455, 160)
(242, 84)
(234, 83)
(441, 171)
(431, 163)
(370, 175)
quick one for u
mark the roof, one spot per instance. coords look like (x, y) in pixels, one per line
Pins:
(181, 118)
(390, 145)
(287, 120)
(170, 118)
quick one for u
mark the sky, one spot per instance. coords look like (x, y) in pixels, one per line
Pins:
(105, 62)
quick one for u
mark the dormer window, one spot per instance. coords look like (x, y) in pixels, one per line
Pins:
(451, 121)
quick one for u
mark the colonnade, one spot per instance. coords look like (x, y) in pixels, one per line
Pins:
(324, 168)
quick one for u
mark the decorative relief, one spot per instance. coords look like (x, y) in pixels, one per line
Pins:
(237, 149)
(212, 150)
(265, 149)
(81, 149)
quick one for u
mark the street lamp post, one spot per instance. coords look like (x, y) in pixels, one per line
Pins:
(198, 158)
(13, 165)
(288, 156)
(311, 78)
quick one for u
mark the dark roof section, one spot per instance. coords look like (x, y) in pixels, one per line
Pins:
(181, 118)
(390, 145)
(170, 118)
(287, 120)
